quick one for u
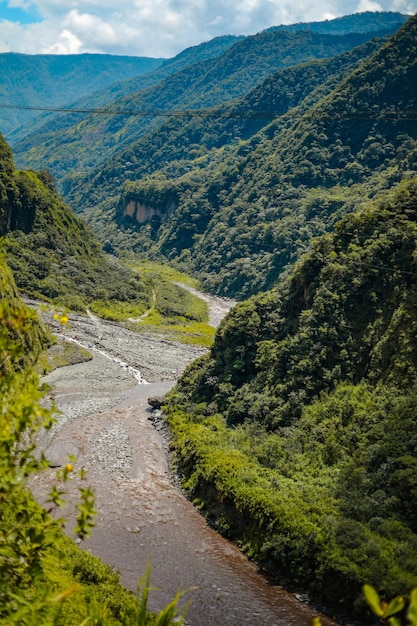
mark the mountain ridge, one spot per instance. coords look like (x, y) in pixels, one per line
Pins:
(242, 66)
(32, 80)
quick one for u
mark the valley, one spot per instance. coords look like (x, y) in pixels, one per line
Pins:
(142, 515)
(276, 172)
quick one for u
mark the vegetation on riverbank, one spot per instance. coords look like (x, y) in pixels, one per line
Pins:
(45, 578)
(173, 311)
(297, 433)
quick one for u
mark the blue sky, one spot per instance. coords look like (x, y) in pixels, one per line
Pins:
(159, 28)
(18, 14)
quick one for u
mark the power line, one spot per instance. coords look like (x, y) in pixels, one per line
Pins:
(398, 115)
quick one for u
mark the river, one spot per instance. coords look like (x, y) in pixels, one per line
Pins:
(143, 516)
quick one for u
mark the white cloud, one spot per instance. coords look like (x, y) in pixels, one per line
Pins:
(19, 4)
(67, 43)
(369, 5)
(82, 25)
(162, 27)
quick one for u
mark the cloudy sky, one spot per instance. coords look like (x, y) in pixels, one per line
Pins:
(158, 28)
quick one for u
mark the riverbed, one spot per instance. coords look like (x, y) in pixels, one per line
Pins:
(143, 517)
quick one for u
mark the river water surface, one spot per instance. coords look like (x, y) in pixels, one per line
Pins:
(143, 516)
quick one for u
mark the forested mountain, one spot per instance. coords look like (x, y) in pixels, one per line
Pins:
(37, 80)
(297, 433)
(366, 22)
(293, 183)
(186, 145)
(90, 142)
(52, 253)
(239, 206)
(44, 124)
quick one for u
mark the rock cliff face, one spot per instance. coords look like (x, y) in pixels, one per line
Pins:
(149, 200)
(141, 212)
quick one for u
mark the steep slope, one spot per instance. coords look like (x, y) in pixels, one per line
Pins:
(207, 83)
(36, 131)
(263, 205)
(52, 253)
(239, 217)
(36, 80)
(291, 433)
(191, 145)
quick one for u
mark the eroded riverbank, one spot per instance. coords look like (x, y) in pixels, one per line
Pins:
(143, 517)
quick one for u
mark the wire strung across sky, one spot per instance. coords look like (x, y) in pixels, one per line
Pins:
(201, 113)
(397, 115)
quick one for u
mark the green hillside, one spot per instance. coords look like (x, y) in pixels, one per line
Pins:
(92, 140)
(183, 144)
(293, 183)
(37, 80)
(51, 252)
(368, 21)
(239, 197)
(297, 433)
(55, 257)
(40, 129)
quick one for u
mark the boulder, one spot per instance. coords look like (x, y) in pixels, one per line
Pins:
(156, 402)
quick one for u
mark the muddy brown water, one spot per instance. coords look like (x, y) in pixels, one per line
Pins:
(143, 517)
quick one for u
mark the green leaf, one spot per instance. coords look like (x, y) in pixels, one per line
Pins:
(372, 598)
(396, 605)
(412, 609)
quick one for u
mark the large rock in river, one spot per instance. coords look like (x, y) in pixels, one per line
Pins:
(156, 402)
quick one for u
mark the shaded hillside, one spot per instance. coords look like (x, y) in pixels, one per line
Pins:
(291, 432)
(55, 257)
(52, 252)
(184, 143)
(37, 80)
(286, 185)
(246, 206)
(93, 140)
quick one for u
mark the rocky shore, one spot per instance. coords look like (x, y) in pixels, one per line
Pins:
(105, 421)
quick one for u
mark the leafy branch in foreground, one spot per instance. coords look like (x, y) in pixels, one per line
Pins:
(44, 577)
(386, 610)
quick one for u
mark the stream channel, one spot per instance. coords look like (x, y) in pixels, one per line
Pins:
(143, 517)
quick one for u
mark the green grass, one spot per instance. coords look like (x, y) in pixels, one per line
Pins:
(176, 329)
(174, 312)
(162, 271)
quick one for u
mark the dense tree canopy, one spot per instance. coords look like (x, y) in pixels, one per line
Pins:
(297, 433)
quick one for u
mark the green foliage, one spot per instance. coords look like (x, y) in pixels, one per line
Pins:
(24, 526)
(290, 433)
(385, 610)
(53, 254)
(64, 353)
(44, 577)
(230, 68)
(243, 215)
(55, 257)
